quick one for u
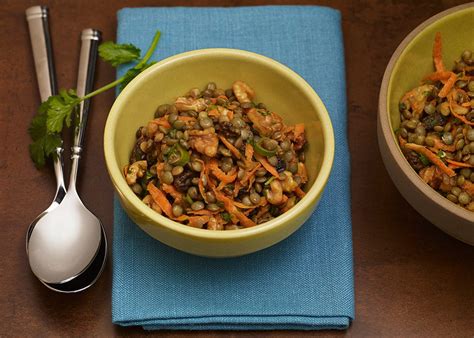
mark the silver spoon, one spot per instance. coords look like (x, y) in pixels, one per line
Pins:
(66, 240)
(86, 70)
(37, 18)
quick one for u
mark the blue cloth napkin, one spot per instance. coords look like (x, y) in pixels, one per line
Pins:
(306, 281)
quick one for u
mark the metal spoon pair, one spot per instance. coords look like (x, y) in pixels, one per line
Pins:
(66, 244)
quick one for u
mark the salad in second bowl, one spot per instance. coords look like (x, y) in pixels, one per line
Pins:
(436, 134)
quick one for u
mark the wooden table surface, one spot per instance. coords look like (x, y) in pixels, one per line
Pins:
(410, 278)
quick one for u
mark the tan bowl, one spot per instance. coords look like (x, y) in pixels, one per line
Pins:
(281, 89)
(409, 64)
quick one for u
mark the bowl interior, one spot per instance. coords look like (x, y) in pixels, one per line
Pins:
(278, 87)
(416, 60)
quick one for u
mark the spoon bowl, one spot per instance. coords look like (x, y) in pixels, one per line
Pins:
(64, 241)
(89, 276)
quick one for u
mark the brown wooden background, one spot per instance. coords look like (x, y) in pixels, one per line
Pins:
(411, 279)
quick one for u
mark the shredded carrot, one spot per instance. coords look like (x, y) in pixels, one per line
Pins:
(237, 187)
(448, 85)
(160, 199)
(438, 76)
(232, 209)
(299, 130)
(441, 145)
(263, 160)
(198, 221)
(402, 141)
(437, 53)
(460, 117)
(219, 174)
(431, 157)
(248, 152)
(186, 118)
(213, 113)
(210, 182)
(251, 182)
(249, 174)
(262, 202)
(263, 211)
(159, 169)
(202, 212)
(160, 166)
(299, 192)
(171, 190)
(162, 121)
(459, 164)
(231, 147)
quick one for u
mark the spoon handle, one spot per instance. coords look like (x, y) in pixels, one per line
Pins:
(38, 24)
(90, 39)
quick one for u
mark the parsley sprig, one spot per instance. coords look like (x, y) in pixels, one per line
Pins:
(59, 110)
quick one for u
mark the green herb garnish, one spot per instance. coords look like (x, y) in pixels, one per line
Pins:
(424, 160)
(226, 217)
(117, 54)
(59, 110)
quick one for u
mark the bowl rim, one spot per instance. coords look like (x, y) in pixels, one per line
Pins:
(307, 201)
(386, 124)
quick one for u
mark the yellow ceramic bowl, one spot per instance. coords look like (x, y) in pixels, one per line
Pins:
(284, 91)
(409, 64)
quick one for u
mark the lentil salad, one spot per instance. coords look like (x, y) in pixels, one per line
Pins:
(436, 133)
(216, 160)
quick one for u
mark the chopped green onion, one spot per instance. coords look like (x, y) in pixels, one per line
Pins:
(424, 160)
(258, 147)
(177, 155)
(267, 182)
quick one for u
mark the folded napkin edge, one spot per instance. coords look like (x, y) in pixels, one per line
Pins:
(198, 8)
(243, 322)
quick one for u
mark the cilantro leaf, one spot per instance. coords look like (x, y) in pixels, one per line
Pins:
(44, 144)
(117, 54)
(37, 153)
(59, 109)
(44, 147)
(37, 127)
